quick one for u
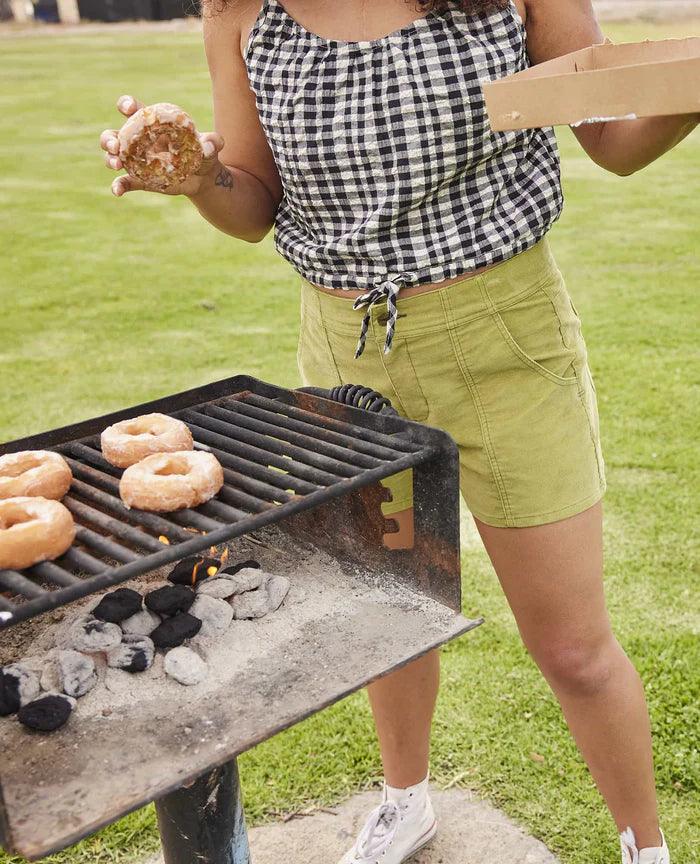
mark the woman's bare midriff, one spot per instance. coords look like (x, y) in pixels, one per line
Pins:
(410, 290)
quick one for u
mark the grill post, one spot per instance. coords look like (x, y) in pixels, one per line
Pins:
(204, 823)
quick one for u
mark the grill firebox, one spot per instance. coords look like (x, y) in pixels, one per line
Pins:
(301, 479)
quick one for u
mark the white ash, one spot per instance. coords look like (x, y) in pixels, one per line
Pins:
(76, 673)
(216, 615)
(90, 636)
(219, 588)
(267, 598)
(28, 686)
(247, 579)
(185, 666)
(143, 623)
(134, 654)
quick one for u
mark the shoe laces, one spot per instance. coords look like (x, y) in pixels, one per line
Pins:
(378, 832)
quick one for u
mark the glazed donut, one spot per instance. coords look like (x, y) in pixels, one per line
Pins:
(129, 441)
(33, 530)
(171, 481)
(159, 145)
(34, 473)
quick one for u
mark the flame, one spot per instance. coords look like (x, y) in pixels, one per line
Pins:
(163, 539)
(194, 572)
(212, 571)
(224, 557)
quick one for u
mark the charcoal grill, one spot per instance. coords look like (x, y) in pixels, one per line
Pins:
(301, 476)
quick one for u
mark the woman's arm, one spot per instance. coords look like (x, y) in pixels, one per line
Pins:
(242, 196)
(237, 188)
(556, 27)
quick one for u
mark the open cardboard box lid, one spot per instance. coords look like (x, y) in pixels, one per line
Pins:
(603, 82)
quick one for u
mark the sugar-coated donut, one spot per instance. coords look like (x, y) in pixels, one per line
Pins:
(32, 473)
(129, 441)
(33, 530)
(159, 145)
(171, 481)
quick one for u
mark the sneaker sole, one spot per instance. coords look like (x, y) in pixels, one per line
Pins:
(428, 837)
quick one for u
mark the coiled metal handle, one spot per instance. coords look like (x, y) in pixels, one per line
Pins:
(362, 397)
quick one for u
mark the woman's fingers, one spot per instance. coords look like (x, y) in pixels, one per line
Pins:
(125, 183)
(127, 105)
(113, 162)
(212, 144)
(109, 140)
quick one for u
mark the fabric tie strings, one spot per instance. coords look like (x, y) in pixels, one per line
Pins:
(387, 290)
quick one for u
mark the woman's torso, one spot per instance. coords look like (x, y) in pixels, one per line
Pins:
(389, 169)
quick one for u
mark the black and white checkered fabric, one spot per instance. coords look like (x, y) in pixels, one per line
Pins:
(391, 173)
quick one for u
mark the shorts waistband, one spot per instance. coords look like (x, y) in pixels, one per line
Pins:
(469, 298)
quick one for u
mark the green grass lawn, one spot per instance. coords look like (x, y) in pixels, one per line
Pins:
(102, 306)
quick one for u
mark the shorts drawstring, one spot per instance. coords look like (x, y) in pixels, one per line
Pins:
(388, 290)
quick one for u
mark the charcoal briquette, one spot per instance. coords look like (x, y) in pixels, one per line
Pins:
(46, 714)
(170, 599)
(9, 694)
(174, 631)
(232, 569)
(118, 605)
(191, 570)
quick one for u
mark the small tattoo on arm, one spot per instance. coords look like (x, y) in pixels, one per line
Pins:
(224, 178)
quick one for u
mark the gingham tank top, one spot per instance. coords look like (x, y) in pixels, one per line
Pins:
(391, 174)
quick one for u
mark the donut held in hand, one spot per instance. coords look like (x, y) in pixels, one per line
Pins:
(160, 146)
(33, 530)
(129, 441)
(171, 481)
(34, 473)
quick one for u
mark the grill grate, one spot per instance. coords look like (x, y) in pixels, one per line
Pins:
(278, 459)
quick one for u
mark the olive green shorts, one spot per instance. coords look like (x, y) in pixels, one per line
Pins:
(499, 362)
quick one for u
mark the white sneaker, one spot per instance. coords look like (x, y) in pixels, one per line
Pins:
(652, 855)
(402, 824)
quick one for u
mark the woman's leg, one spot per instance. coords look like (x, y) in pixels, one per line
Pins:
(403, 704)
(552, 577)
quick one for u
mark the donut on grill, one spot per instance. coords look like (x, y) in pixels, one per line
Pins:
(33, 530)
(171, 481)
(32, 473)
(130, 441)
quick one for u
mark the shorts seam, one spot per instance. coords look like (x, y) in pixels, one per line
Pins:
(563, 512)
(481, 414)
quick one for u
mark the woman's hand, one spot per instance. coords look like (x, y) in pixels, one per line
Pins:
(211, 142)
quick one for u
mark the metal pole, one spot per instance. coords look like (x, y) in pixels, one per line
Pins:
(204, 823)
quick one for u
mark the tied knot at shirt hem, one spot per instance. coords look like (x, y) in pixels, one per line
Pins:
(387, 290)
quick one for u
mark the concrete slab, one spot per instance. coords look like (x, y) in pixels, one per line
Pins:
(471, 832)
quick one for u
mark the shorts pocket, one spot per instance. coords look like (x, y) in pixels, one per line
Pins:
(543, 332)
(314, 357)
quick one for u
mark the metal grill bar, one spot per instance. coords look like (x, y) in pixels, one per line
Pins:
(236, 407)
(11, 580)
(278, 459)
(347, 455)
(114, 526)
(252, 504)
(276, 480)
(280, 444)
(47, 571)
(274, 456)
(105, 546)
(393, 442)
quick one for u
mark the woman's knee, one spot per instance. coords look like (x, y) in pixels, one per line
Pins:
(580, 668)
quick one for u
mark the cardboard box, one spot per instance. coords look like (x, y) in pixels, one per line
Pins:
(603, 82)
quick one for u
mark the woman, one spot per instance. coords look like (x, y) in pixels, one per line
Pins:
(358, 129)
